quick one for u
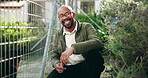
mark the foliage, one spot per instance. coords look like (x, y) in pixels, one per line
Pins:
(127, 25)
(98, 20)
(16, 31)
(83, 18)
(12, 31)
(18, 36)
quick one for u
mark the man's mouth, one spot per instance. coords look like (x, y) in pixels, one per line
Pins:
(67, 22)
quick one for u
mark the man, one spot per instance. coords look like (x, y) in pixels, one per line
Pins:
(76, 48)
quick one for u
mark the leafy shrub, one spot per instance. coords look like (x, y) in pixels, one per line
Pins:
(94, 17)
(18, 36)
(127, 25)
(13, 31)
(16, 31)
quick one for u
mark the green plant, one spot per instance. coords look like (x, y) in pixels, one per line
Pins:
(127, 27)
(13, 31)
(18, 37)
(94, 17)
(16, 31)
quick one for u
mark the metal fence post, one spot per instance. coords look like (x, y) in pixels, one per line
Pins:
(92, 21)
(67, 2)
(58, 6)
(75, 6)
(48, 39)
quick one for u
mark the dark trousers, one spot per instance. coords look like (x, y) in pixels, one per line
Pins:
(90, 68)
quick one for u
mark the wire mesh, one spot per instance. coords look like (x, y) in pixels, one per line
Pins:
(23, 31)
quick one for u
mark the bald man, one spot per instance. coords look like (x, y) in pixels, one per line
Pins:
(76, 48)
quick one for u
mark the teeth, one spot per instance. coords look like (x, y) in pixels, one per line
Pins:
(67, 21)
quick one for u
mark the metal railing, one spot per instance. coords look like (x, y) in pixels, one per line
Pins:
(23, 33)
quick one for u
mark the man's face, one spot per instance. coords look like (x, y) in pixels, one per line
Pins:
(66, 17)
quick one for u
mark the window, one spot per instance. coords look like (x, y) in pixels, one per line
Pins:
(9, 0)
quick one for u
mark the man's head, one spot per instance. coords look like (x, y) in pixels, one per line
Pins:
(66, 16)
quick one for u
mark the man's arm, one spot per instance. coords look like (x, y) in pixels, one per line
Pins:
(54, 55)
(93, 42)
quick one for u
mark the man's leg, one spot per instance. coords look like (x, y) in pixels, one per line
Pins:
(70, 72)
(95, 64)
(74, 71)
(95, 71)
(90, 68)
(54, 74)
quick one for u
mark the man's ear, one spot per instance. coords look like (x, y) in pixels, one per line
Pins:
(74, 15)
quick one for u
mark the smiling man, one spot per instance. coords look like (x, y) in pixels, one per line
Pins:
(76, 48)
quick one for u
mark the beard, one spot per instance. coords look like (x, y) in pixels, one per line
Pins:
(72, 22)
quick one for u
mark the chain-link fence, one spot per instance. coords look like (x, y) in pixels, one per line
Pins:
(23, 30)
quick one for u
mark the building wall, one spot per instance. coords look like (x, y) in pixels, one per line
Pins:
(96, 4)
(22, 13)
(79, 5)
(48, 13)
(17, 14)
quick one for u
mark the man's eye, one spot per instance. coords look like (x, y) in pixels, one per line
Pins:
(66, 13)
(61, 16)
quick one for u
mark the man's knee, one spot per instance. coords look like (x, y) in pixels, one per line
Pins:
(54, 74)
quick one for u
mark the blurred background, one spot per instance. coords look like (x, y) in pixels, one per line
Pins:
(27, 29)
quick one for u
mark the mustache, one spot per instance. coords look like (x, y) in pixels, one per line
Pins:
(66, 19)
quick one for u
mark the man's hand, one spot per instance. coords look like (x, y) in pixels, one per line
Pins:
(60, 67)
(65, 55)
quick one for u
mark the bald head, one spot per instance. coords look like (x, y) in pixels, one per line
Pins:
(65, 7)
